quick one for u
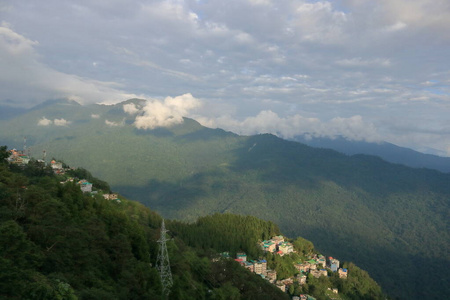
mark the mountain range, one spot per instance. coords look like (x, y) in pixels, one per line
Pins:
(387, 151)
(390, 219)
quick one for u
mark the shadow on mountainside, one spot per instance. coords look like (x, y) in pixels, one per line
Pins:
(389, 219)
(290, 162)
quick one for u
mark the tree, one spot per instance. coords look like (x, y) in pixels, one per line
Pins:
(4, 154)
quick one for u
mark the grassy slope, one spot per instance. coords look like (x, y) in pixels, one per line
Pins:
(389, 219)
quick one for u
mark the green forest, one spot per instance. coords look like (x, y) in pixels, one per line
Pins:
(60, 243)
(381, 216)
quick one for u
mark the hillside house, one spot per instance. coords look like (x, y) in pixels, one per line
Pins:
(271, 275)
(85, 186)
(312, 264)
(268, 246)
(286, 247)
(278, 239)
(55, 165)
(301, 278)
(302, 267)
(260, 267)
(249, 266)
(318, 273)
(288, 281)
(322, 261)
(111, 196)
(334, 264)
(343, 273)
(242, 256)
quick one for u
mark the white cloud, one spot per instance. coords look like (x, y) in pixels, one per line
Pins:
(44, 122)
(356, 58)
(396, 27)
(166, 113)
(61, 122)
(130, 108)
(29, 79)
(353, 128)
(115, 124)
(57, 122)
(260, 2)
(95, 116)
(359, 62)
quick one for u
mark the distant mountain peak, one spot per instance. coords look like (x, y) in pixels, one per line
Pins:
(53, 102)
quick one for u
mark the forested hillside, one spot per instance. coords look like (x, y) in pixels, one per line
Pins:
(60, 243)
(380, 215)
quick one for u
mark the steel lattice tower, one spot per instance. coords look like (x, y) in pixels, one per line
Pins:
(162, 262)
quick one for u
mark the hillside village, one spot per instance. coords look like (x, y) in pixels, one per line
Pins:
(21, 158)
(315, 265)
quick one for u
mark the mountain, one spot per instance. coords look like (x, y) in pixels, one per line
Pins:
(390, 219)
(60, 243)
(387, 151)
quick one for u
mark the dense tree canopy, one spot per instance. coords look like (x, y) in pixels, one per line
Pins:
(59, 243)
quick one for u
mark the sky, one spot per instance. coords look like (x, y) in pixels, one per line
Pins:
(362, 69)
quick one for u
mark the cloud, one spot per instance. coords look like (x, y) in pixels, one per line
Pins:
(44, 122)
(115, 124)
(166, 113)
(359, 62)
(57, 122)
(130, 108)
(353, 128)
(323, 60)
(61, 122)
(95, 116)
(396, 27)
(29, 80)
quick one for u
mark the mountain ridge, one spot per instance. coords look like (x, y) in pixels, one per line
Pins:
(387, 151)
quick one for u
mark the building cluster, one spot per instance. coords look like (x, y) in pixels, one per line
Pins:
(277, 245)
(255, 266)
(18, 158)
(317, 265)
(85, 186)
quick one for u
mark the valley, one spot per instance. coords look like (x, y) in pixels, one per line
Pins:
(391, 220)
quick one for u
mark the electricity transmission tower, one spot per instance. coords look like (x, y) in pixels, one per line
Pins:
(163, 264)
